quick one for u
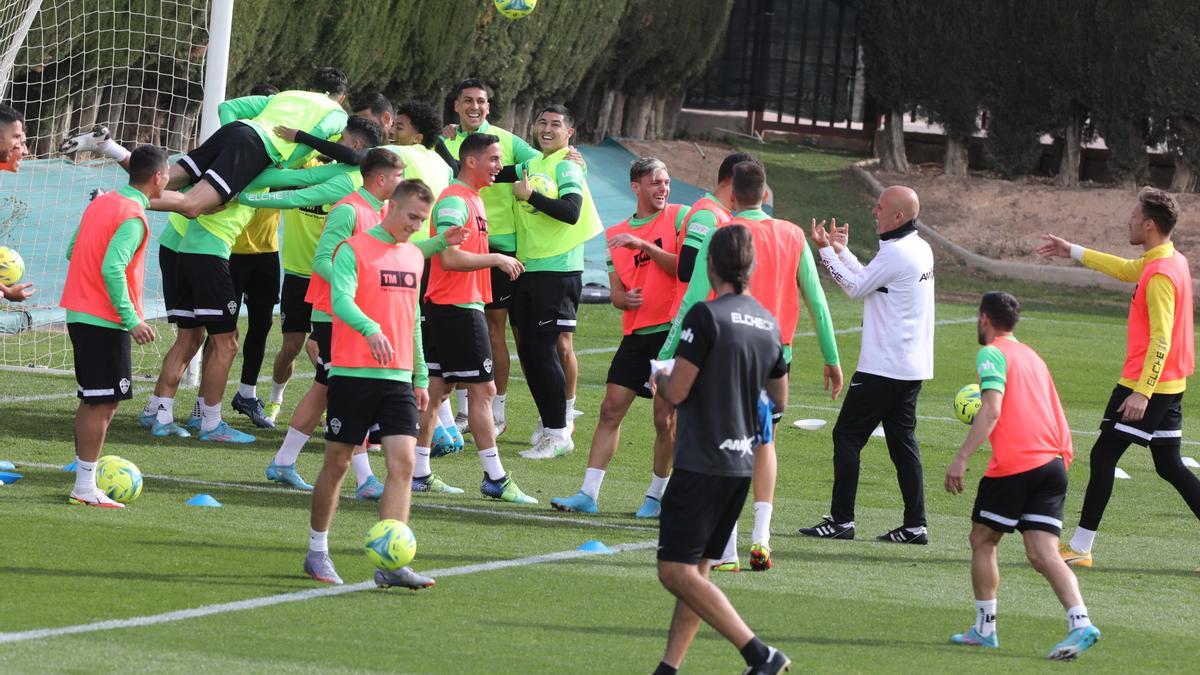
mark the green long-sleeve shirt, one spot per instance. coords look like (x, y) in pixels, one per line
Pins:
(344, 286)
(807, 279)
(120, 251)
(250, 107)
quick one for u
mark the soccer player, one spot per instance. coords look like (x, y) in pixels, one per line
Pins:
(1146, 405)
(378, 374)
(895, 358)
(103, 299)
(641, 270)
(236, 153)
(472, 105)
(374, 106)
(456, 337)
(730, 351)
(12, 137)
(551, 232)
(784, 273)
(1025, 483)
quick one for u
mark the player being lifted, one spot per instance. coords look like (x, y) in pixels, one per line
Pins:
(456, 337)
(641, 271)
(103, 299)
(378, 374)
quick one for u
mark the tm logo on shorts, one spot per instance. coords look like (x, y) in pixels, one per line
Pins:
(335, 425)
(232, 306)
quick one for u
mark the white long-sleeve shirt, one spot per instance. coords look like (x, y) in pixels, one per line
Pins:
(898, 307)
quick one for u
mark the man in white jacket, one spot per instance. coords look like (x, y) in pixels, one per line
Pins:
(896, 357)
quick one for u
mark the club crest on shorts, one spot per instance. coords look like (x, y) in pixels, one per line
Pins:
(487, 365)
(124, 385)
(335, 425)
(232, 307)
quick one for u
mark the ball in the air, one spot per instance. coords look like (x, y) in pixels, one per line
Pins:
(12, 266)
(515, 9)
(967, 402)
(543, 185)
(390, 545)
(119, 478)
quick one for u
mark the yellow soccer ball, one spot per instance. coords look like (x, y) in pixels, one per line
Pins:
(515, 9)
(543, 185)
(12, 266)
(119, 478)
(390, 545)
(967, 402)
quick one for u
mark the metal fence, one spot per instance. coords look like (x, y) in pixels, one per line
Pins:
(792, 65)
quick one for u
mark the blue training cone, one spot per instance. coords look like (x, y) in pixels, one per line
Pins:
(8, 477)
(203, 500)
(71, 466)
(594, 546)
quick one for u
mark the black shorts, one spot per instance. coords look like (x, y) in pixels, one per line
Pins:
(232, 157)
(547, 301)
(630, 366)
(503, 288)
(1162, 424)
(206, 288)
(168, 265)
(103, 363)
(457, 347)
(322, 334)
(355, 404)
(295, 313)
(1030, 500)
(698, 514)
(255, 278)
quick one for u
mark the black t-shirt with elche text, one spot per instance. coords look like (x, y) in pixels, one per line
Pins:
(734, 341)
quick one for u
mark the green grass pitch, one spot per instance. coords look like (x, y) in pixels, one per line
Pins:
(856, 606)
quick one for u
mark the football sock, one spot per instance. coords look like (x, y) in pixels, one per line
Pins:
(730, 553)
(985, 617)
(664, 669)
(362, 468)
(247, 390)
(490, 459)
(293, 443)
(445, 414)
(592, 478)
(559, 435)
(318, 542)
(658, 485)
(1083, 540)
(1077, 617)
(498, 407)
(85, 477)
(151, 405)
(462, 401)
(762, 523)
(755, 652)
(570, 408)
(277, 392)
(165, 411)
(421, 465)
(210, 416)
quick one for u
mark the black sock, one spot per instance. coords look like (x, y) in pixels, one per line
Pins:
(664, 669)
(755, 652)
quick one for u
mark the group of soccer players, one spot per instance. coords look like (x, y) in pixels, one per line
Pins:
(410, 250)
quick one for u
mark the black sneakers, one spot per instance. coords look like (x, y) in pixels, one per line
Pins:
(901, 535)
(828, 529)
(777, 662)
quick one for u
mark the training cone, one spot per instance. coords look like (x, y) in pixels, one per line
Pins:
(8, 477)
(71, 466)
(1120, 473)
(593, 546)
(6, 465)
(204, 500)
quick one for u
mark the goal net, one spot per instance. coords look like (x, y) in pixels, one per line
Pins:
(133, 66)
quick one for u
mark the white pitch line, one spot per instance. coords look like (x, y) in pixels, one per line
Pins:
(299, 596)
(935, 418)
(515, 515)
(71, 394)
